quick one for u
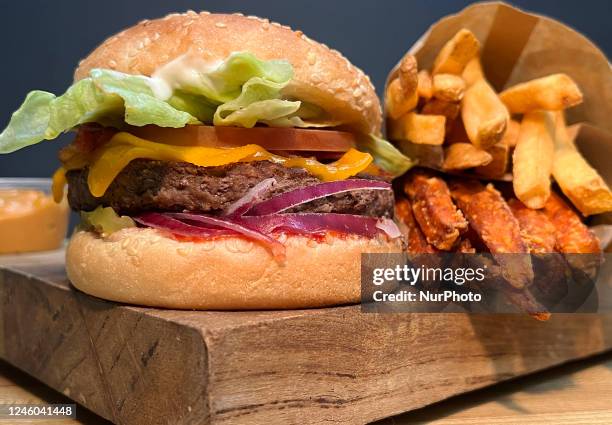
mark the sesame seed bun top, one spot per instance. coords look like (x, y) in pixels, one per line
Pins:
(322, 76)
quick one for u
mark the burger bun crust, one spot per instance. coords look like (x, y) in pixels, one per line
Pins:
(322, 76)
(148, 267)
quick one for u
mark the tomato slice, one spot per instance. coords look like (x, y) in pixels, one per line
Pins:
(269, 138)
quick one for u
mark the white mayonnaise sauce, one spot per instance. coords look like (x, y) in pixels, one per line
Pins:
(185, 71)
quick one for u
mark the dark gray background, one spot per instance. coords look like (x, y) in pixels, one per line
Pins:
(42, 41)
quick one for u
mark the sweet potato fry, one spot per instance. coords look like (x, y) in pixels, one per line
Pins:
(461, 156)
(581, 248)
(550, 93)
(448, 87)
(491, 219)
(473, 72)
(580, 182)
(465, 247)
(408, 75)
(396, 102)
(417, 243)
(499, 161)
(533, 158)
(419, 129)
(484, 116)
(573, 236)
(434, 210)
(536, 229)
(425, 85)
(456, 53)
(551, 270)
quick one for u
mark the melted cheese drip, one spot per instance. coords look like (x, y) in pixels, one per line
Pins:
(108, 161)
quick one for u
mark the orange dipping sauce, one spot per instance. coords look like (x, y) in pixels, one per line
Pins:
(31, 221)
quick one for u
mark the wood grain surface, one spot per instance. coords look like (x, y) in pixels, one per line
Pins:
(19, 388)
(573, 394)
(137, 365)
(577, 393)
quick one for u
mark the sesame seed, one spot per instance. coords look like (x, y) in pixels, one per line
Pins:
(312, 58)
(220, 25)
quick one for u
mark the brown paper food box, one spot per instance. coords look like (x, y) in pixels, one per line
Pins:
(518, 46)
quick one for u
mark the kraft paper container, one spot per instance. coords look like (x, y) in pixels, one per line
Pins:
(519, 46)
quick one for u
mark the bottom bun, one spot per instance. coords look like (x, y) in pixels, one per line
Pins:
(147, 267)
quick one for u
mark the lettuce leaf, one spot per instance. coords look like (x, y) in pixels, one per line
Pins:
(106, 97)
(259, 100)
(385, 155)
(241, 91)
(226, 82)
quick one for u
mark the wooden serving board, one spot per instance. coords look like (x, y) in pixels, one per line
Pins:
(137, 365)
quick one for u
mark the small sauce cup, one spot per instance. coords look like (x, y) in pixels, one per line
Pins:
(30, 220)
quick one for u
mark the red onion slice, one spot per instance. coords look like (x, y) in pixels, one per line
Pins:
(258, 228)
(389, 227)
(315, 223)
(291, 199)
(277, 248)
(253, 195)
(164, 222)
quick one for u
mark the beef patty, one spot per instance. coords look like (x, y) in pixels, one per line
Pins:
(150, 185)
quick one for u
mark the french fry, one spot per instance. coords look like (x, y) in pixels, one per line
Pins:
(456, 53)
(499, 160)
(424, 89)
(512, 132)
(572, 131)
(456, 133)
(408, 75)
(396, 103)
(484, 116)
(441, 107)
(426, 155)
(419, 129)
(533, 159)
(550, 93)
(473, 72)
(580, 182)
(461, 156)
(448, 87)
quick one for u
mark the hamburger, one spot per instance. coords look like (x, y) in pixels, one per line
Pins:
(219, 162)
